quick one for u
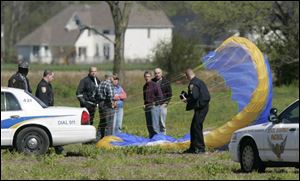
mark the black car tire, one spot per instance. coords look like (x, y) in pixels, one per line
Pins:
(249, 158)
(32, 140)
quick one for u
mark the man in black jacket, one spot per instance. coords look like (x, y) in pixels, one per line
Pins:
(19, 79)
(167, 95)
(197, 98)
(87, 90)
(44, 89)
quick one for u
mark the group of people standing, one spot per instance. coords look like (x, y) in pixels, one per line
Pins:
(108, 95)
(157, 93)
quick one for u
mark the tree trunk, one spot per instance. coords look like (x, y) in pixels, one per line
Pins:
(120, 14)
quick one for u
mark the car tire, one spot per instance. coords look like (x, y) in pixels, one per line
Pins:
(32, 140)
(249, 158)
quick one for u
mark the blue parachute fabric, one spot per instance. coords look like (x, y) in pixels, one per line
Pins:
(234, 64)
(263, 117)
(131, 140)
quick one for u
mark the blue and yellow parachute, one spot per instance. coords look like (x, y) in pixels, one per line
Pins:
(246, 72)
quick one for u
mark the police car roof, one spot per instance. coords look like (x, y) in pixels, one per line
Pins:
(11, 89)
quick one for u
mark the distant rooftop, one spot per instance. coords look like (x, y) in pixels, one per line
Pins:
(98, 15)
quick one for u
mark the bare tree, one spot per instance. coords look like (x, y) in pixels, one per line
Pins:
(2, 31)
(120, 14)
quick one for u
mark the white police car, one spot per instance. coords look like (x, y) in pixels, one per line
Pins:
(28, 125)
(272, 144)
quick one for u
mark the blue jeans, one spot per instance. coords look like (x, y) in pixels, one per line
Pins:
(152, 120)
(163, 117)
(118, 119)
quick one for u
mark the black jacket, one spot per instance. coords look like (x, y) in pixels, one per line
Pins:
(44, 92)
(165, 88)
(198, 94)
(20, 81)
(86, 91)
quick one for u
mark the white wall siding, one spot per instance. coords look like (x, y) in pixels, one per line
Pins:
(90, 47)
(140, 42)
(90, 42)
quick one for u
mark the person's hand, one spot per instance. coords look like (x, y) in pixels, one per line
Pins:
(116, 97)
(114, 105)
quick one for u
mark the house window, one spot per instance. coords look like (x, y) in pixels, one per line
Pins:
(82, 51)
(106, 51)
(46, 51)
(106, 32)
(35, 50)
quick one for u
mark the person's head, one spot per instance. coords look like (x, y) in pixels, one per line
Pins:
(108, 76)
(115, 79)
(147, 76)
(23, 67)
(189, 74)
(93, 71)
(48, 75)
(158, 73)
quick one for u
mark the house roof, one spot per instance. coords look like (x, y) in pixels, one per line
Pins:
(98, 15)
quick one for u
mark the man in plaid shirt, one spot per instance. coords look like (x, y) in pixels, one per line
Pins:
(106, 103)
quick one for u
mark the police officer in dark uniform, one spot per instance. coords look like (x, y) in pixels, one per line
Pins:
(87, 90)
(44, 89)
(19, 79)
(45, 93)
(197, 98)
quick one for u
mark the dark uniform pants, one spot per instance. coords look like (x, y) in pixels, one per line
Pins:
(106, 112)
(197, 140)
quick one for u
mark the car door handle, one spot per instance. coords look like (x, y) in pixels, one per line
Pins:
(292, 129)
(14, 116)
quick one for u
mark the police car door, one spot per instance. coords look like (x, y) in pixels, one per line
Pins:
(283, 138)
(10, 113)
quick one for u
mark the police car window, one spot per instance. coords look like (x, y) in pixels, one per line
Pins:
(291, 115)
(3, 105)
(12, 104)
(37, 100)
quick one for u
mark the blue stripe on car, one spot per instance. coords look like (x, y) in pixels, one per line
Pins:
(7, 123)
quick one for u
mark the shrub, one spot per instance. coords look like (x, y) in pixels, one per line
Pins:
(178, 55)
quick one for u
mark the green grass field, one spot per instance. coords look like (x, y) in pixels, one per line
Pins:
(88, 162)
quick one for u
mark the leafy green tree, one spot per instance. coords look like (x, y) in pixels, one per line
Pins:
(275, 24)
(176, 56)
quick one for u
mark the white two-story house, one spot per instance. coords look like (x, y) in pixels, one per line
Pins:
(57, 42)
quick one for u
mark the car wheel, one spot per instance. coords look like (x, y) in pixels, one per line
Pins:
(32, 140)
(249, 158)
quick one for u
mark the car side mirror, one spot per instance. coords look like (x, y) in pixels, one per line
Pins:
(273, 118)
(273, 111)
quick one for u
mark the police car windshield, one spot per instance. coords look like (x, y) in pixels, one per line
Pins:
(37, 100)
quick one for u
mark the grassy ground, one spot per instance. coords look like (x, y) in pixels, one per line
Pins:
(89, 162)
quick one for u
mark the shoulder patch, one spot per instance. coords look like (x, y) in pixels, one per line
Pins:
(191, 86)
(44, 89)
(14, 80)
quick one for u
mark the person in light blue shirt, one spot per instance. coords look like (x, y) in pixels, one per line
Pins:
(119, 97)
